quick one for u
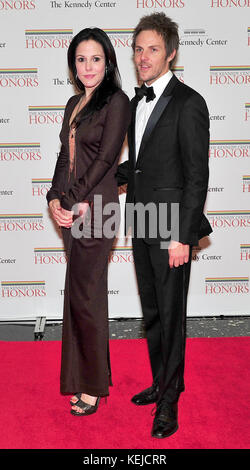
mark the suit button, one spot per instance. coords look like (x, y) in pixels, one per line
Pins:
(138, 171)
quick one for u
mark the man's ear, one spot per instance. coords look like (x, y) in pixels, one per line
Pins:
(171, 56)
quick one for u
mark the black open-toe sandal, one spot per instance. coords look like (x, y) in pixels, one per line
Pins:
(87, 409)
(78, 395)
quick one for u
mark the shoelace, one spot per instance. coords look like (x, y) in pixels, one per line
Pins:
(161, 407)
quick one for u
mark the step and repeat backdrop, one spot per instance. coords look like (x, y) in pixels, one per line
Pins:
(34, 88)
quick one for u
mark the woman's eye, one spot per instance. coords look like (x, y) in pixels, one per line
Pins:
(80, 59)
(96, 59)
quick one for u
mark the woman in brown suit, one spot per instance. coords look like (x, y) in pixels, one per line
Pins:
(93, 130)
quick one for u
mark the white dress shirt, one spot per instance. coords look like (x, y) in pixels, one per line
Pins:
(144, 109)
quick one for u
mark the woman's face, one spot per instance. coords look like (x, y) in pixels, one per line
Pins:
(90, 64)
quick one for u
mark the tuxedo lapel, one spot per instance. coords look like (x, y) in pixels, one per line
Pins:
(153, 119)
(155, 116)
(131, 131)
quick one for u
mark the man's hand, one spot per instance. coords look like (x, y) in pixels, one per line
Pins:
(122, 189)
(83, 208)
(178, 254)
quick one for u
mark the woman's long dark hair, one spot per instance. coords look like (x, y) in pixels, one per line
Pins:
(111, 81)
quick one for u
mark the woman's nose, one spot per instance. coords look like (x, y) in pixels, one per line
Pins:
(88, 65)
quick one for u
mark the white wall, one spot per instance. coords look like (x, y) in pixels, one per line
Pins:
(34, 88)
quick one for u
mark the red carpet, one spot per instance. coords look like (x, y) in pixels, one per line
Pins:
(213, 411)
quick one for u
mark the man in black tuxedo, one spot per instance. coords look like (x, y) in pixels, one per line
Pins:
(168, 166)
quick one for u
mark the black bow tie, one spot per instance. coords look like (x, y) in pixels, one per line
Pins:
(145, 91)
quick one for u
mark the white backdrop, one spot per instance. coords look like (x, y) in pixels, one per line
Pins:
(34, 88)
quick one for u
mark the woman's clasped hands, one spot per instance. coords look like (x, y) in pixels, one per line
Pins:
(63, 217)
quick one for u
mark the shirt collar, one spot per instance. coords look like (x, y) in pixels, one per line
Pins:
(160, 84)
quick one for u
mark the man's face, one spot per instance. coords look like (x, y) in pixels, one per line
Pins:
(150, 56)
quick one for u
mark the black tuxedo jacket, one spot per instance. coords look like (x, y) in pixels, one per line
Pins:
(172, 163)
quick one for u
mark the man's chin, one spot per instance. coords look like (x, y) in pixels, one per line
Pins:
(145, 78)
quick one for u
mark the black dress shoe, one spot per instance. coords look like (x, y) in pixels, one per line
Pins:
(165, 421)
(148, 396)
